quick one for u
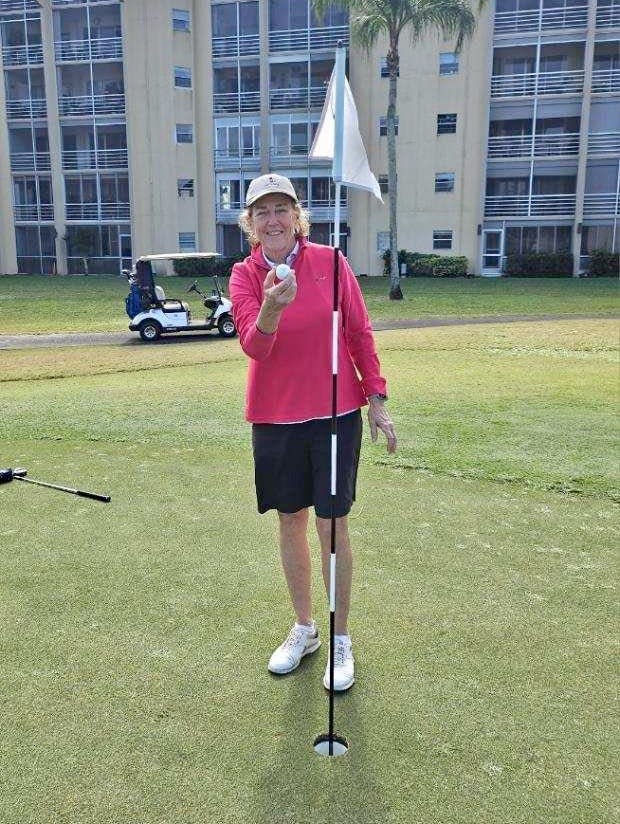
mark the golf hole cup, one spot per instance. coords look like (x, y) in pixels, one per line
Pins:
(330, 745)
(283, 271)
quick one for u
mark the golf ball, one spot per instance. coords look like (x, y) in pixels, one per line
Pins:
(283, 271)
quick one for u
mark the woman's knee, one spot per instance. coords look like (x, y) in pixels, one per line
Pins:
(293, 521)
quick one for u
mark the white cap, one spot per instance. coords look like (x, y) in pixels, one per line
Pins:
(268, 185)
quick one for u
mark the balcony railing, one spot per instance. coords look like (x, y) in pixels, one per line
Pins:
(77, 2)
(601, 204)
(605, 80)
(20, 109)
(319, 211)
(545, 145)
(97, 211)
(91, 159)
(34, 211)
(228, 214)
(289, 155)
(101, 48)
(523, 85)
(305, 98)
(83, 105)
(236, 46)
(30, 161)
(231, 159)
(227, 102)
(524, 206)
(607, 17)
(604, 143)
(325, 37)
(22, 55)
(511, 22)
(19, 5)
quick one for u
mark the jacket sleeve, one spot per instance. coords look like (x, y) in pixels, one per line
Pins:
(358, 332)
(246, 306)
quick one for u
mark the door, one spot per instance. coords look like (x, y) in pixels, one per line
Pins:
(492, 242)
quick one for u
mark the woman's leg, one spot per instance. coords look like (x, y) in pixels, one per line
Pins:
(344, 567)
(295, 557)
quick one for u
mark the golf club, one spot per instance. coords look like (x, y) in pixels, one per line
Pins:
(19, 474)
(330, 743)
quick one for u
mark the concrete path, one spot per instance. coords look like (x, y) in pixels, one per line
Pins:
(133, 339)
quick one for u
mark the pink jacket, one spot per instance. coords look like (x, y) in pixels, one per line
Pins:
(290, 371)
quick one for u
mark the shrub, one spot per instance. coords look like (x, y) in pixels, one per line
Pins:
(193, 267)
(387, 260)
(604, 264)
(427, 264)
(450, 266)
(539, 264)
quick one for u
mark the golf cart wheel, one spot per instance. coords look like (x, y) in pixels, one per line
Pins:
(149, 330)
(226, 327)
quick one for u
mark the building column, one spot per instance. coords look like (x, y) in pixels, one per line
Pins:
(8, 248)
(584, 129)
(265, 131)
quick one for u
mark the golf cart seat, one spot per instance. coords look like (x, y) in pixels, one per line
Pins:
(170, 305)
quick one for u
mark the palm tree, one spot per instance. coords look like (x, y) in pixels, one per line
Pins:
(371, 18)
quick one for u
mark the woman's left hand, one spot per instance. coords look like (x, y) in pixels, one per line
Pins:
(378, 418)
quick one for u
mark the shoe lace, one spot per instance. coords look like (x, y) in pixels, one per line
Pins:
(340, 654)
(294, 638)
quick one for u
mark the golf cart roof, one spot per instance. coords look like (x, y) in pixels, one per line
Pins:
(180, 255)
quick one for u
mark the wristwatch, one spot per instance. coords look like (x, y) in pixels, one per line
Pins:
(379, 396)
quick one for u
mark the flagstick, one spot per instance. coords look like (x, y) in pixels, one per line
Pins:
(332, 737)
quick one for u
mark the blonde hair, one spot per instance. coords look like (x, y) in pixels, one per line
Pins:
(302, 223)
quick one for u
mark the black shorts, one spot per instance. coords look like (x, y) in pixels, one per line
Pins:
(292, 464)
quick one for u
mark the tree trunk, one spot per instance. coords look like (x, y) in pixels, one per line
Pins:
(392, 62)
(85, 261)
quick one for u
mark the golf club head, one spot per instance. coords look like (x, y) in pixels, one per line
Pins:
(339, 745)
(19, 472)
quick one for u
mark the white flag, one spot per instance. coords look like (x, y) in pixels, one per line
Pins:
(355, 169)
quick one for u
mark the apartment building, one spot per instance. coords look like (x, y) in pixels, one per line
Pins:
(135, 127)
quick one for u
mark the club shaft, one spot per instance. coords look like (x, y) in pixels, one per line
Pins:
(93, 495)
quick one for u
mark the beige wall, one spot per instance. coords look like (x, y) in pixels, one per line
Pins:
(422, 94)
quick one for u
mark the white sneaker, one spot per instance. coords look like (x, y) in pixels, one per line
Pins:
(344, 665)
(299, 642)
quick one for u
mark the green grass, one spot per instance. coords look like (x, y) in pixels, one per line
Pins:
(135, 634)
(33, 304)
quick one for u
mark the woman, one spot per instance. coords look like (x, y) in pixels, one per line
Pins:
(285, 327)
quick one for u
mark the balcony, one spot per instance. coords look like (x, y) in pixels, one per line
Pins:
(562, 17)
(26, 109)
(90, 105)
(235, 102)
(19, 5)
(35, 212)
(97, 211)
(234, 159)
(601, 143)
(325, 37)
(94, 159)
(22, 55)
(77, 2)
(525, 206)
(289, 155)
(228, 214)
(603, 204)
(605, 80)
(544, 145)
(30, 161)
(525, 85)
(101, 48)
(608, 17)
(234, 46)
(301, 98)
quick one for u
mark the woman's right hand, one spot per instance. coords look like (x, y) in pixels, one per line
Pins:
(278, 295)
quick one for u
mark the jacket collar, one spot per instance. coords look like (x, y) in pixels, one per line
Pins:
(256, 255)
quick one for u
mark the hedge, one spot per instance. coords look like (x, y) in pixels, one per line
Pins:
(193, 267)
(421, 264)
(604, 264)
(539, 264)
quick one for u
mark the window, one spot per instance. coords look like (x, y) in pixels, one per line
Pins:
(446, 124)
(448, 63)
(522, 239)
(383, 184)
(180, 20)
(442, 238)
(444, 182)
(182, 77)
(383, 126)
(187, 241)
(383, 242)
(185, 133)
(185, 187)
(384, 68)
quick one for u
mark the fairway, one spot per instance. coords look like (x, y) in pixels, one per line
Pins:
(136, 634)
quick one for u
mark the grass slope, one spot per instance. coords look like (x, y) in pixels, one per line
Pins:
(135, 634)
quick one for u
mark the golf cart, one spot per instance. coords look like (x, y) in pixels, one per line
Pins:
(152, 314)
